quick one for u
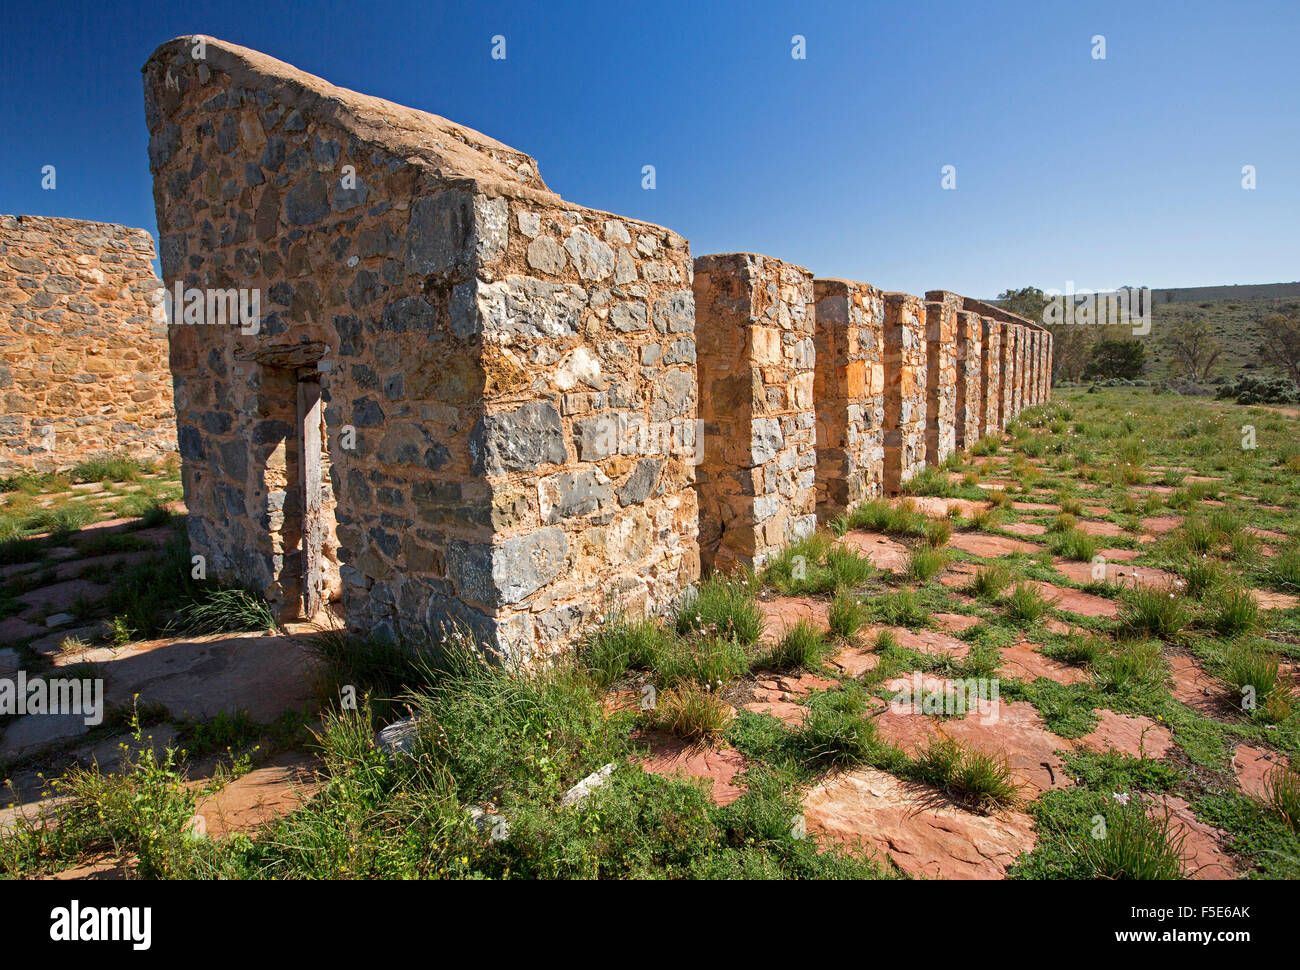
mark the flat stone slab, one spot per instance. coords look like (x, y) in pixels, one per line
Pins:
(880, 550)
(1194, 687)
(1133, 735)
(716, 766)
(1202, 854)
(855, 661)
(874, 812)
(927, 641)
(1025, 528)
(60, 596)
(1034, 507)
(1251, 765)
(1023, 662)
(1076, 601)
(1160, 524)
(784, 612)
(939, 507)
(955, 622)
(1011, 728)
(1108, 530)
(283, 785)
(1269, 600)
(990, 547)
(1116, 573)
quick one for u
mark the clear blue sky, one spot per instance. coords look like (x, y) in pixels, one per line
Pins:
(1122, 171)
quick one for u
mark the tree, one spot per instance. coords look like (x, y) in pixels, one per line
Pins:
(1281, 344)
(1123, 359)
(1192, 345)
(1027, 302)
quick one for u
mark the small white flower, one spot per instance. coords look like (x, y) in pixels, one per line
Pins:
(1121, 797)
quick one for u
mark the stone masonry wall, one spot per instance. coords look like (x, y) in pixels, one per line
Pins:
(83, 361)
(508, 380)
(991, 375)
(849, 394)
(1006, 372)
(970, 357)
(754, 321)
(905, 389)
(941, 374)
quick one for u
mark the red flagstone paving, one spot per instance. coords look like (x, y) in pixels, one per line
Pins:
(882, 552)
(1202, 854)
(717, 766)
(1135, 735)
(1075, 601)
(955, 622)
(1252, 765)
(1024, 662)
(1026, 528)
(784, 612)
(876, 813)
(1117, 573)
(1194, 687)
(990, 547)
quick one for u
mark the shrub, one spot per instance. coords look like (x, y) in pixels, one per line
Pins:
(836, 731)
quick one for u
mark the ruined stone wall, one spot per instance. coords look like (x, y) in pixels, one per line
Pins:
(905, 389)
(849, 394)
(83, 361)
(941, 374)
(508, 380)
(991, 374)
(754, 321)
(970, 359)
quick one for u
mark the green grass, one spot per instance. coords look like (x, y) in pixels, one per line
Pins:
(1026, 603)
(801, 647)
(980, 780)
(723, 606)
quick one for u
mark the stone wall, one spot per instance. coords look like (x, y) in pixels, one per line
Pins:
(83, 361)
(849, 392)
(507, 380)
(941, 310)
(991, 374)
(970, 359)
(754, 356)
(905, 389)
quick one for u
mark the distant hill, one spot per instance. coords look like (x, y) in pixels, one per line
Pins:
(1235, 312)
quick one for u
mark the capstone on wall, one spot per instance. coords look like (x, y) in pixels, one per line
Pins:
(849, 393)
(506, 381)
(754, 319)
(83, 351)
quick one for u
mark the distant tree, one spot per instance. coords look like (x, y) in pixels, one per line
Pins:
(1192, 345)
(1027, 302)
(1123, 359)
(1280, 336)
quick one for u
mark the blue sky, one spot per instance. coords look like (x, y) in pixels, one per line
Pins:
(1104, 172)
